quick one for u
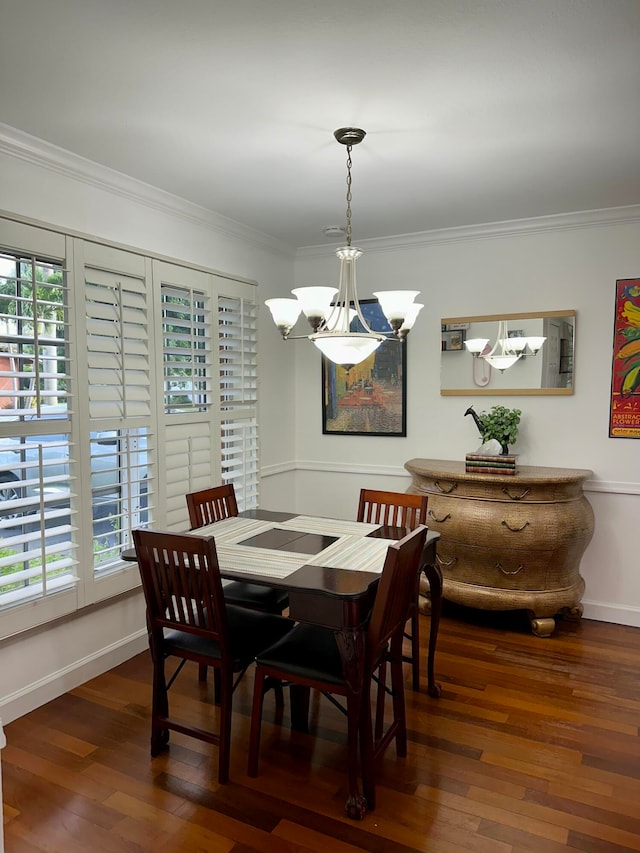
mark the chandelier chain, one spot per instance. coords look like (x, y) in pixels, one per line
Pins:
(348, 228)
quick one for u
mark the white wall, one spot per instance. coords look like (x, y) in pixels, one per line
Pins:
(43, 183)
(557, 263)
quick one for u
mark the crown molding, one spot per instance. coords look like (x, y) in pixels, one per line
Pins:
(490, 230)
(22, 146)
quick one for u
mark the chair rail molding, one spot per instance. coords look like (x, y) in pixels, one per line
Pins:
(616, 487)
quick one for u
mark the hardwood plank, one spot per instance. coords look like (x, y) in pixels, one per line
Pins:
(533, 746)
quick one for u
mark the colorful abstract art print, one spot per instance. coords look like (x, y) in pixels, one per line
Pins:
(624, 418)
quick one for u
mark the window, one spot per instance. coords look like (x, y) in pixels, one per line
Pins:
(186, 347)
(113, 405)
(37, 546)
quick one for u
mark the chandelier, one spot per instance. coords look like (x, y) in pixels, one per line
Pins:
(331, 311)
(507, 350)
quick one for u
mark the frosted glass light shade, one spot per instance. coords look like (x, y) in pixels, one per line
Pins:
(513, 344)
(395, 303)
(410, 318)
(315, 301)
(285, 312)
(347, 349)
(476, 345)
(534, 343)
(501, 362)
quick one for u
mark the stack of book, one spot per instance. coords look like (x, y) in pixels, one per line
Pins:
(478, 464)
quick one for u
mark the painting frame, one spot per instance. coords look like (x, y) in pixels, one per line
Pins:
(371, 398)
(624, 410)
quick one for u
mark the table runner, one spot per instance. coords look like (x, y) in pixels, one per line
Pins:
(328, 526)
(352, 550)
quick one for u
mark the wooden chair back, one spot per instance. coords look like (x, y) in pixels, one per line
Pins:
(397, 509)
(182, 586)
(210, 505)
(396, 591)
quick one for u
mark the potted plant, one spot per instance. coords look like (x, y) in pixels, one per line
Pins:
(499, 423)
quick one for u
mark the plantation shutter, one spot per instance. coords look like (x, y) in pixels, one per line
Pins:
(117, 345)
(188, 390)
(238, 353)
(189, 468)
(186, 349)
(121, 406)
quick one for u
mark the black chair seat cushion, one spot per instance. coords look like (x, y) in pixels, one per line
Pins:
(268, 598)
(249, 632)
(309, 651)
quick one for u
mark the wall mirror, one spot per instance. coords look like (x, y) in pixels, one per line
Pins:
(540, 345)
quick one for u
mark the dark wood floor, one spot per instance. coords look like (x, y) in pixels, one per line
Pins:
(533, 746)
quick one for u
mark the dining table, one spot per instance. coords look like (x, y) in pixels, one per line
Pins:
(330, 568)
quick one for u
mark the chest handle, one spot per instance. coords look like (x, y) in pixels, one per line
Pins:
(446, 564)
(519, 497)
(444, 489)
(514, 529)
(444, 518)
(507, 572)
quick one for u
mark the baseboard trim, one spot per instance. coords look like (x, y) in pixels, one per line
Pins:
(33, 695)
(38, 693)
(615, 613)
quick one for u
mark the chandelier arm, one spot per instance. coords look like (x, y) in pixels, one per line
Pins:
(356, 301)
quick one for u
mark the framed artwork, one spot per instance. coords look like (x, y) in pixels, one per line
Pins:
(624, 413)
(370, 399)
(455, 341)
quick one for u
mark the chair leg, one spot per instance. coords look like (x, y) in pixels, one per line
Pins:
(380, 700)
(226, 691)
(299, 698)
(216, 686)
(399, 710)
(367, 747)
(159, 706)
(415, 646)
(279, 695)
(202, 672)
(256, 722)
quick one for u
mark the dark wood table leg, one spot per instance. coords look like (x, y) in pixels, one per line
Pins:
(434, 577)
(351, 644)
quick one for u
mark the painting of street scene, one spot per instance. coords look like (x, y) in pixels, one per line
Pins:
(369, 399)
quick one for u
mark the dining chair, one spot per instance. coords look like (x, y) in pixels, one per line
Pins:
(399, 509)
(308, 657)
(214, 504)
(210, 505)
(189, 619)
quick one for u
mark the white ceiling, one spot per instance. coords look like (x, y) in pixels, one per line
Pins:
(475, 110)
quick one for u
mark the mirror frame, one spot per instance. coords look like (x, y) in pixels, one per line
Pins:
(505, 392)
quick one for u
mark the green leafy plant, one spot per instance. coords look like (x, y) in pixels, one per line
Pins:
(499, 423)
